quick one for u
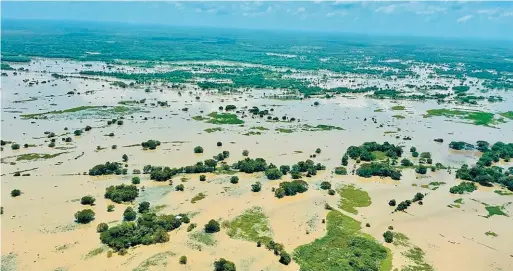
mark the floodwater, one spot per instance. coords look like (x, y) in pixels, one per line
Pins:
(38, 232)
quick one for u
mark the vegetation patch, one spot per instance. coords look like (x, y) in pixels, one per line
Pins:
(95, 252)
(503, 193)
(399, 116)
(508, 115)
(343, 248)
(252, 225)
(414, 254)
(260, 128)
(87, 111)
(321, 127)
(159, 259)
(37, 156)
(198, 197)
(212, 130)
(463, 187)
(491, 233)
(474, 117)
(204, 238)
(495, 210)
(398, 107)
(284, 130)
(224, 118)
(352, 197)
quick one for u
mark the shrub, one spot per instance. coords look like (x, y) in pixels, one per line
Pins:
(102, 227)
(249, 165)
(120, 122)
(183, 260)
(291, 188)
(121, 193)
(463, 187)
(325, 185)
(110, 208)
(331, 192)
(129, 214)
(198, 149)
(136, 180)
(245, 153)
(51, 145)
(415, 154)
(180, 187)
(219, 143)
(391, 202)
(224, 265)
(87, 200)
(406, 163)
(256, 187)
(149, 229)
(340, 171)
(318, 150)
(234, 179)
(77, 132)
(15, 193)
(87, 128)
(378, 169)
(114, 147)
(125, 158)
(106, 169)
(85, 216)
(150, 144)
(212, 226)
(273, 174)
(191, 227)
(418, 197)
(345, 159)
(389, 236)
(284, 257)
(15, 146)
(421, 169)
(143, 207)
(202, 178)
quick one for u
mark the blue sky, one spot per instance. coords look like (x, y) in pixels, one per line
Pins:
(441, 19)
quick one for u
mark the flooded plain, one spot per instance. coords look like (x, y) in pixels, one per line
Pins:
(38, 227)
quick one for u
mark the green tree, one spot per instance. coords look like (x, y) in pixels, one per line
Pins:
(183, 260)
(418, 197)
(87, 200)
(273, 174)
(325, 185)
(284, 257)
(202, 178)
(15, 193)
(234, 179)
(136, 180)
(15, 146)
(85, 216)
(198, 149)
(129, 214)
(143, 207)
(256, 187)
(102, 227)
(180, 187)
(389, 236)
(224, 265)
(125, 158)
(212, 226)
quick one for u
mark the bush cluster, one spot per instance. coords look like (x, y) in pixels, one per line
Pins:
(121, 193)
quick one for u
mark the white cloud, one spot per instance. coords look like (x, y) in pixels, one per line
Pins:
(464, 18)
(336, 13)
(488, 11)
(507, 14)
(387, 9)
(300, 10)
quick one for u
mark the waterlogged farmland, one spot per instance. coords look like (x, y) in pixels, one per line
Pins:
(220, 149)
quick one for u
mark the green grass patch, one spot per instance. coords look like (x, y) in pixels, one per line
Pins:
(224, 118)
(508, 115)
(379, 110)
(459, 201)
(491, 233)
(203, 237)
(198, 197)
(252, 225)
(474, 117)
(416, 255)
(199, 118)
(398, 116)
(352, 197)
(321, 127)
(95, 252)
(252, 133)
(57, 112)
(503, 193)
(379, 155)
(398, 107)
(89, 111)
(212, 130)
(37, 156)
(260, 128)
(284, 130)
(495, 210)
(400, 239)
(159, 259)
(343, 248)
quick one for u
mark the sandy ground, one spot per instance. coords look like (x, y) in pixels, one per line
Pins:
(38, 232)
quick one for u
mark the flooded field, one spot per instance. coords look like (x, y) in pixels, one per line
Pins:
(66, 122)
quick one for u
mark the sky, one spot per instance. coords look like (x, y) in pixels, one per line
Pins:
(484, 20)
